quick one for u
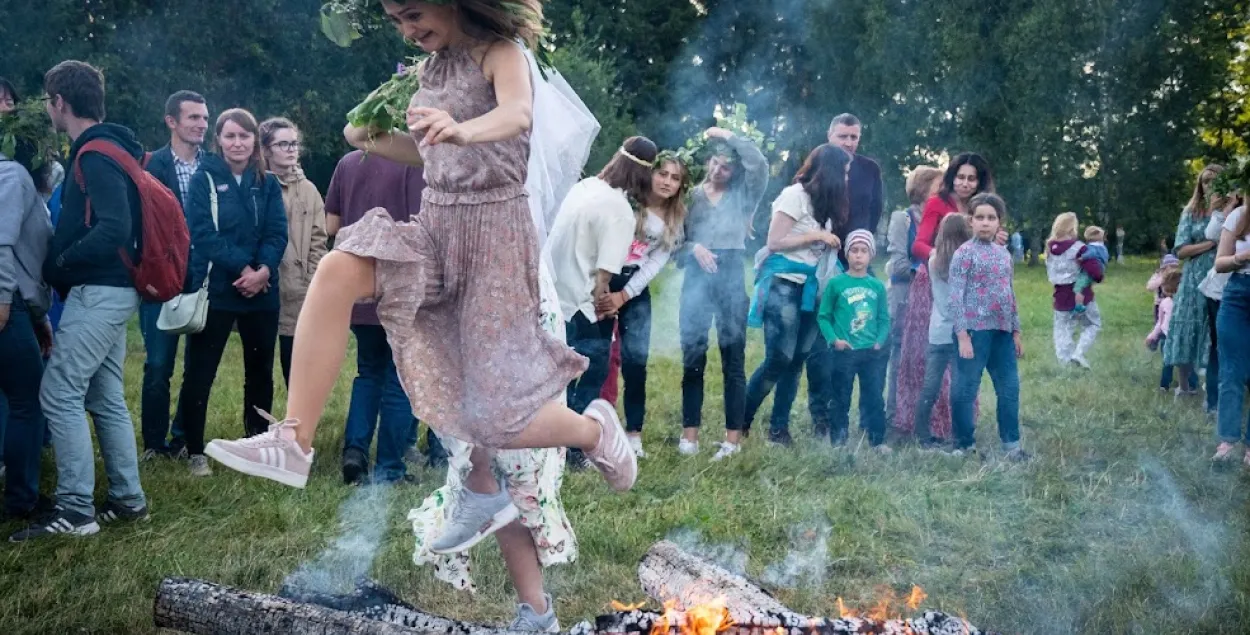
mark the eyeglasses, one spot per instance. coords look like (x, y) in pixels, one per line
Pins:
(286, 146)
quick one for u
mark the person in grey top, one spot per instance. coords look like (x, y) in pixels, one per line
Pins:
(714, 290)
(25, 332)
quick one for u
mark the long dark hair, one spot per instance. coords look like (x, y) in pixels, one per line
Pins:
(634, 177)
(985, 178)
(823, 177)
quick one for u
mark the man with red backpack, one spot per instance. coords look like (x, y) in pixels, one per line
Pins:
(96, 241)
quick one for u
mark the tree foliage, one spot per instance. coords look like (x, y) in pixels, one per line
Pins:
(1096, 106)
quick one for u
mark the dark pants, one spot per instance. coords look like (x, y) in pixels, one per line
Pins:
(993, 352)
(1233, 325)
(1213, 361)
(592, 340)
(286, 344)
(938, 358)
(24, 429)
(789, 333)
(870, 367)
(377, 392)
(258, 331)
(634, 332)
(161, 350)
(714, 298)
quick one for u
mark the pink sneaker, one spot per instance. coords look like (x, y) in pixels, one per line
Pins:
(274, 455)
(613, 456)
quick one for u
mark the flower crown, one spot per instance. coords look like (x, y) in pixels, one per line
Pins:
(29, 123)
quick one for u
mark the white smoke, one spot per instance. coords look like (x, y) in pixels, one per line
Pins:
(362, 523)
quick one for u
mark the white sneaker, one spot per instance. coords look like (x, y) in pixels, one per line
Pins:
(636, 444)
(274, 455)
(1080, 360)
(686, 447)
(198, 466)
(726, 450)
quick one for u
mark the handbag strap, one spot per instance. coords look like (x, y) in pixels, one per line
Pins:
(212, 205)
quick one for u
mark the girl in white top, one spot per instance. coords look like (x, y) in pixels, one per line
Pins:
(659, 234)
(1233, 256)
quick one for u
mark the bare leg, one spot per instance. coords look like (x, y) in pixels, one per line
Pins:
(556, 426)
(733, 436)
(520, 555)
(321, 337)
(690, 434)
(481, 479)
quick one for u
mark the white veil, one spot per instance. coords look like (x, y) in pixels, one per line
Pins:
(560, 139)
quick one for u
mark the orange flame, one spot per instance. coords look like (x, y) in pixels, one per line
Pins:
(702, 619)
(884, 607)
(917, 596)
(617, 606)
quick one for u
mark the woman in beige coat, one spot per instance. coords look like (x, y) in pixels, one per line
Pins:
(306, 228)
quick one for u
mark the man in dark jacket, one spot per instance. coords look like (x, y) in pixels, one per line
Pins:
(186, 116)
(864, 189)
(84, 264)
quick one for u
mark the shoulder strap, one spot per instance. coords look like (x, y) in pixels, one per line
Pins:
(212, 206)
(127, 163)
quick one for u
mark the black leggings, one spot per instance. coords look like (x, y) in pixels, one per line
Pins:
(634, 334)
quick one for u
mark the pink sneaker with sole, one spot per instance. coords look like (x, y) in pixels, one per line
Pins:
(274, 455)
(614, 456)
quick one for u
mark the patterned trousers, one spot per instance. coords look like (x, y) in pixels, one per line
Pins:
(1066, 325)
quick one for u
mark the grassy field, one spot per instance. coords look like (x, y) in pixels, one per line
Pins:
(1121, 524)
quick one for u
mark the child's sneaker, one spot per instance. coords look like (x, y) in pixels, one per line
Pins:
(613, 455)
(474, 517)
(62, 522)
(274, 455)
(198, 466)
(1080, 360)
(726, 450)
(686, 447)
(529, 620)
(970, 451)
(636, 444)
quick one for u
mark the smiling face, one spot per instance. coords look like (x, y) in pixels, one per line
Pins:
(985, 222)
(431, 26)
(237, 144)
(191, 125)
(666, 180)
(283, 150)
(966, 181)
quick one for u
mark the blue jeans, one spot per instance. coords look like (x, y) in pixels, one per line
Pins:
(23, 423)
(85, 375)
(938, 358)
(376, 391)
(1233, 323)
(789, 333)
(995, 352)
(594, 341)
(870, 367)
(158, 368)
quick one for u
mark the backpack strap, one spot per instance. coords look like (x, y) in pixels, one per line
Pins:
(127, 163)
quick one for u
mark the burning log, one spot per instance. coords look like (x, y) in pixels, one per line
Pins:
(204, 608)
(699, 597)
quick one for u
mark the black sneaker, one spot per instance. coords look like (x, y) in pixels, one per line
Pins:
(780, 437)
(575, 460)
(116, 511)
(61, 521)
(355, 466)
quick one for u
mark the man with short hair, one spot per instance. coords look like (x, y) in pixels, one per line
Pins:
(186, 116)
(85, 264)
(864, 189)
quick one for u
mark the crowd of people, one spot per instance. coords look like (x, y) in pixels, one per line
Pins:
(510, 343)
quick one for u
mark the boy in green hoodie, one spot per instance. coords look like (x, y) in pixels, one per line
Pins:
(855, 318)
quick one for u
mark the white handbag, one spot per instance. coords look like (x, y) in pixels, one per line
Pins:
(187, 313)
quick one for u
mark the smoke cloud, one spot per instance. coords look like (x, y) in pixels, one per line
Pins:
(362, 523)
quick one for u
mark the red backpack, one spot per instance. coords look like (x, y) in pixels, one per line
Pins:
(165, 244)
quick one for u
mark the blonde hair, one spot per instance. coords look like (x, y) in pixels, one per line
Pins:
(920, 182)
(1095, 234)
(1064, 228)
(1198, 202)
(673, 210)
(954, 231)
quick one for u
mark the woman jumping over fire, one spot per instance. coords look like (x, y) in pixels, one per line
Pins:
(457, 290)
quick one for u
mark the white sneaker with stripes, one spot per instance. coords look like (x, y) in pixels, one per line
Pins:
(274, 455)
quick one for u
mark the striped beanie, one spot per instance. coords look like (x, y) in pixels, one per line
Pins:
(863, 237)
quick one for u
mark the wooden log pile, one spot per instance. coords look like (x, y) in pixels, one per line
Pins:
(668, 574)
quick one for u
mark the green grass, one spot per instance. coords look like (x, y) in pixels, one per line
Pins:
(1121, 525)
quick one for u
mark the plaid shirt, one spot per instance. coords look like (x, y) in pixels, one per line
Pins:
(184, 170)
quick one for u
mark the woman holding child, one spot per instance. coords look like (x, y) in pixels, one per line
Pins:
(1188, 335)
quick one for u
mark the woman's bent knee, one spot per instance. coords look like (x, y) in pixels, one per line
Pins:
(347, 273)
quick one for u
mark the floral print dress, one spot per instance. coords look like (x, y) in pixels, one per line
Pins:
(1189, 336)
